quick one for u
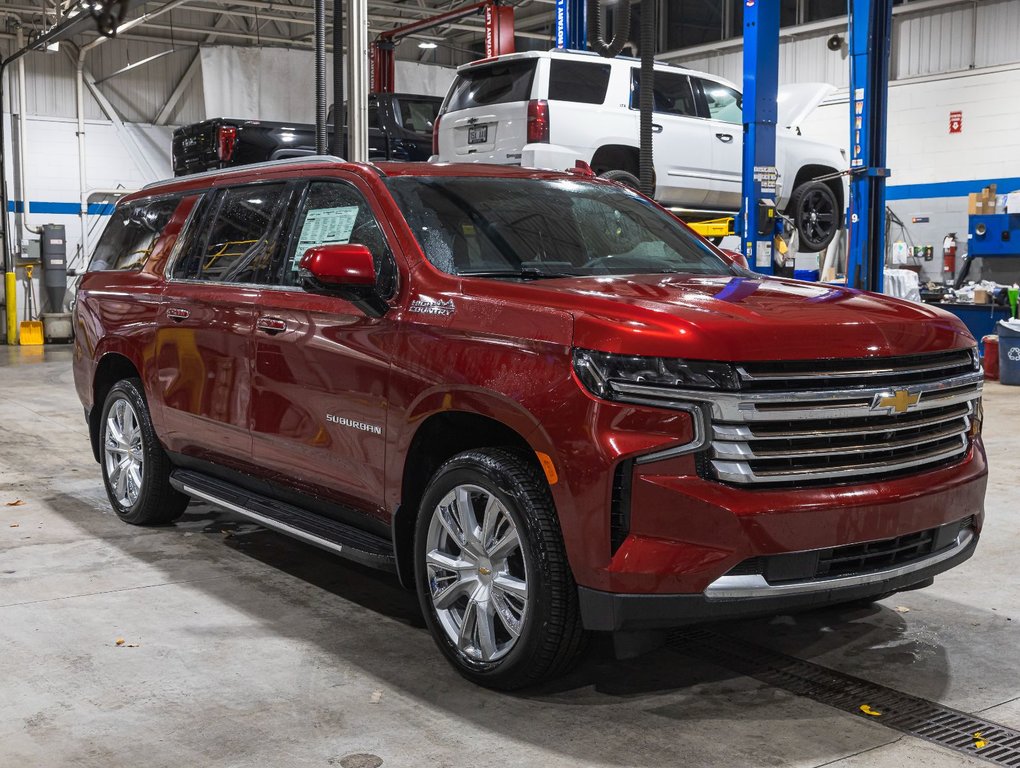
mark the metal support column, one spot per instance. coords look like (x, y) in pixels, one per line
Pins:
(869, 42)
(756, 221)
(357, 81)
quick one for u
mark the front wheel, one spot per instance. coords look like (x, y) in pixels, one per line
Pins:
(814, 210)
(491, 572)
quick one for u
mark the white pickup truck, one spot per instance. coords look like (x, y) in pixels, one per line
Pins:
(550, 109)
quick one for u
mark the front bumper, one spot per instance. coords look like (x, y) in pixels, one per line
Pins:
(730, 597)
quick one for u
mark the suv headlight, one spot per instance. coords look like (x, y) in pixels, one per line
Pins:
(648, 380)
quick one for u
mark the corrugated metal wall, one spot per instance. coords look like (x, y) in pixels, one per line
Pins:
(137, 95)
(954, 38)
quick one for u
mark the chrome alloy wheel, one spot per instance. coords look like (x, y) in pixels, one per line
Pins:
(122, 449)
(477, 574)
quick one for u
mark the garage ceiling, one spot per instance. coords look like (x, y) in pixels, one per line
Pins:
(289, 24)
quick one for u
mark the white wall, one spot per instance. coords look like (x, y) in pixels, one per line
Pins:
(235, 84)
(949, 38)
(933, 170)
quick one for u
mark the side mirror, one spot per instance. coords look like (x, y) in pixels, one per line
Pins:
(346, 271)
(734, 257)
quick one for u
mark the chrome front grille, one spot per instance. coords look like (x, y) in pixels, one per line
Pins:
(836, 421)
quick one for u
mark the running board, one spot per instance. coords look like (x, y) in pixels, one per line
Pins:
(345, 540)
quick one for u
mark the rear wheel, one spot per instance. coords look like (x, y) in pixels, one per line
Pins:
(814, 210)
(491, 572)
(626, 178)
(136, 470)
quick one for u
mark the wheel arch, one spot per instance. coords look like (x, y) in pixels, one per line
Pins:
(112, 367)
(616, 157)
(438, 438)
(811, 172)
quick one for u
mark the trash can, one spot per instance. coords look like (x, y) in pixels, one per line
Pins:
(991, 356)
(1009, 352)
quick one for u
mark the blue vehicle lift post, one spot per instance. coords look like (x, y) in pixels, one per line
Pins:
(756, 221)
(572, 24)
(870, 31)
(870, 35)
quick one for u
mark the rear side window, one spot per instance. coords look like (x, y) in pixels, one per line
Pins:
(499, 83)
(241, 236)
(131, 234)
(416, 114)
(578, 81)
(673, 94)
(723, 102)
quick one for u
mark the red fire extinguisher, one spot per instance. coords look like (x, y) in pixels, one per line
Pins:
(949, 257)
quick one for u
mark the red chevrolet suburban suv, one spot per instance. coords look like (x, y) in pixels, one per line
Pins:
(537, 397)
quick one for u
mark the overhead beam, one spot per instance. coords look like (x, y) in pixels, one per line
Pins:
(179, 89)
(125, 136)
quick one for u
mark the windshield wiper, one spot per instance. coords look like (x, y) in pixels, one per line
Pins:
(528, 273)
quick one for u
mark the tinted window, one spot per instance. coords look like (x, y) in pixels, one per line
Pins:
(724, 103)
(546, 228)
(672, 94)
(242, 236)
(578, 81)
(336, 213)
(499, 83)
(131, 234)
(417, 115)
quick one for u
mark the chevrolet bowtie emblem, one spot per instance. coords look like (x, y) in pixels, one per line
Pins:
(897, 402)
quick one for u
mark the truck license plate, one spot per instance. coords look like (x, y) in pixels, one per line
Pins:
(478, 134)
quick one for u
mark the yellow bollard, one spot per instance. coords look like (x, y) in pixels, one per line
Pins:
(10, 297)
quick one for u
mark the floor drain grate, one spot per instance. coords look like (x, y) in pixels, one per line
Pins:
(900, 711)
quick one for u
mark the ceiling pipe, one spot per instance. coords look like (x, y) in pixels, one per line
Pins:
(19, 41)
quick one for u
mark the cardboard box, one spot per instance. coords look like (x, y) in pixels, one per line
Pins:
(975, 204)
(989, 199)
(981, 296)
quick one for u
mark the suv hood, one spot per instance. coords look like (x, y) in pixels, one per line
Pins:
(798, 100)
(745, 318)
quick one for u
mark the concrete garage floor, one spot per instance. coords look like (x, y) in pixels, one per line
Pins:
(244, 648)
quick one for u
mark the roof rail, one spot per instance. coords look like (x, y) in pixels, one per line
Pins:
(248, 168)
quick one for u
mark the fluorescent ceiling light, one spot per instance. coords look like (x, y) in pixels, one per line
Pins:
(427, 45)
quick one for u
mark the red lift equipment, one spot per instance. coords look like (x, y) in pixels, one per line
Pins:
(499, 38)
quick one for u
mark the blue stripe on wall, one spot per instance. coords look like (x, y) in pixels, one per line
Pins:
(893, 192)
(949, 188)
(62, 209)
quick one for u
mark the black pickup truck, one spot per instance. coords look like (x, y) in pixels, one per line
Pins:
(399, 128)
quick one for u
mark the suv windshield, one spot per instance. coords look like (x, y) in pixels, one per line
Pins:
(536, 228)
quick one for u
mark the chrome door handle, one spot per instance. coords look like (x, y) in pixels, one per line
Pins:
(656, 128)
(725, 138)
(271, 325)
(177, 314)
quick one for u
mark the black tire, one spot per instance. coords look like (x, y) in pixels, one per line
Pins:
(155, 501)
(623, 177)
(816, 214)
(551, 639)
